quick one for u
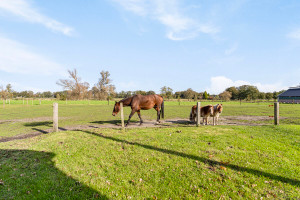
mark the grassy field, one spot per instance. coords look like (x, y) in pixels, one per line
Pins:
(176, 162)
(155, 163)
(19, 119)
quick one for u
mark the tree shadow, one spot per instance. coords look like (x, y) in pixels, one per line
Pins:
(204, 160)
(27, 174)
(44, 123)
(116, 122)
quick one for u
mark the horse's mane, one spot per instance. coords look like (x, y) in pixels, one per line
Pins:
(126, 101)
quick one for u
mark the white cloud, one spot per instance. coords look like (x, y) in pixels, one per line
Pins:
(24, 10)
(169, 13)
(16, 58)
(219, 83)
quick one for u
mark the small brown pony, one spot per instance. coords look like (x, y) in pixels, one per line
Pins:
(139, 102)
(205, 112)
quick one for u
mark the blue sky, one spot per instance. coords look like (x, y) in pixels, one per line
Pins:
(148, 44)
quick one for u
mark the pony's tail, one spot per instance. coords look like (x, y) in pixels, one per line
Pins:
(162, 110)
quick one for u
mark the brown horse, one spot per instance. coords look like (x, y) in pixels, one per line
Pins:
(139, 102)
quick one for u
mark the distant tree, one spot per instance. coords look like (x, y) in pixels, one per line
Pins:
(166, 92)
(104, 89)
(47, 94)
(234, 92)
(275, 94)
(226, 96)
(150, 92)
(205, 95)
(141, 92)
(248, 92)
(189, 93)
(262, 95)
(269, 95)
(76, 89)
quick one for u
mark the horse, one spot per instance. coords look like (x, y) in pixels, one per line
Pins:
(217, 110)
(140, 102)
(205, 112)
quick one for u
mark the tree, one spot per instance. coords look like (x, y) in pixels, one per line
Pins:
(166, 92)
(248, 92)
(103, 89)
(189, 93)
(269, 96)
(205, 95)
(234, 92)
(150, 92)
(76, 89)
(226, 96)
(262, 95)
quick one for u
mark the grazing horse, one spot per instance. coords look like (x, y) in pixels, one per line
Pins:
(205, 111)
(217, 110)
(139, 102)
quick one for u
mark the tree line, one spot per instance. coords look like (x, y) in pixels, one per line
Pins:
(75, 89)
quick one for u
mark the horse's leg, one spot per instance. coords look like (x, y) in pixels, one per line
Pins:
(158, 114)
(132, 113)
(214, 121)
(139, 114)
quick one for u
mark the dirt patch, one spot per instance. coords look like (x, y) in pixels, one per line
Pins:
(223, 120)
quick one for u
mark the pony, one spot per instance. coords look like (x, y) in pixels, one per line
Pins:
(217, 110)
(140, 102)
(205, 112)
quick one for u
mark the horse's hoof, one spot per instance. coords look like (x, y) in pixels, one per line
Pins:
(141, 124)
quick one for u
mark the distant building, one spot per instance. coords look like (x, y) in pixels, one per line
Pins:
(292, 95)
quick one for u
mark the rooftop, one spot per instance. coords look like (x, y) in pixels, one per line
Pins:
(292, 92)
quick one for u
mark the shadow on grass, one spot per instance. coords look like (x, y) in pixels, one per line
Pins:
(204, 160)
(107, 122)
(44, 123)
(29, 174)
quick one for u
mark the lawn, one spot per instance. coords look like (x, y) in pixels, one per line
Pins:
(180, 161)
(207, 162)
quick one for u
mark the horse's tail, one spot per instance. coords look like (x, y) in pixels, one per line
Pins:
(162, 109)
(191, 115)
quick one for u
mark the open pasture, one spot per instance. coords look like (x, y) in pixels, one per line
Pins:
(21, 119)
(175, 160)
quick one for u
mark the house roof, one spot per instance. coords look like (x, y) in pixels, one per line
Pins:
(292, 92)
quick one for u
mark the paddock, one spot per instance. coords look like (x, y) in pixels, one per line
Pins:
(245, 156)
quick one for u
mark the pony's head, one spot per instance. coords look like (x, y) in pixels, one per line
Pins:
(219, 108)
(116, 109)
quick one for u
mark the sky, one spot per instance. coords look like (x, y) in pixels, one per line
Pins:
(147, 44)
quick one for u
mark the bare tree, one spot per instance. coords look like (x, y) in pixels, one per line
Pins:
(5, 93)
(76, 89)
(103, 89)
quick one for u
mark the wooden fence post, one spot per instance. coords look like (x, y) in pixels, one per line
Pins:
(276, 113)
(40, 102)
(198, 113)
(122, 115)
(3, 103)
(55, 117)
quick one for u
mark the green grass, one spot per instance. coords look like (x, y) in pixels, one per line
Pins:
(20, 119)
(211, 162)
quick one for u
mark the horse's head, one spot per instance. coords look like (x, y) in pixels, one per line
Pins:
(116, 109)
(220, 108)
